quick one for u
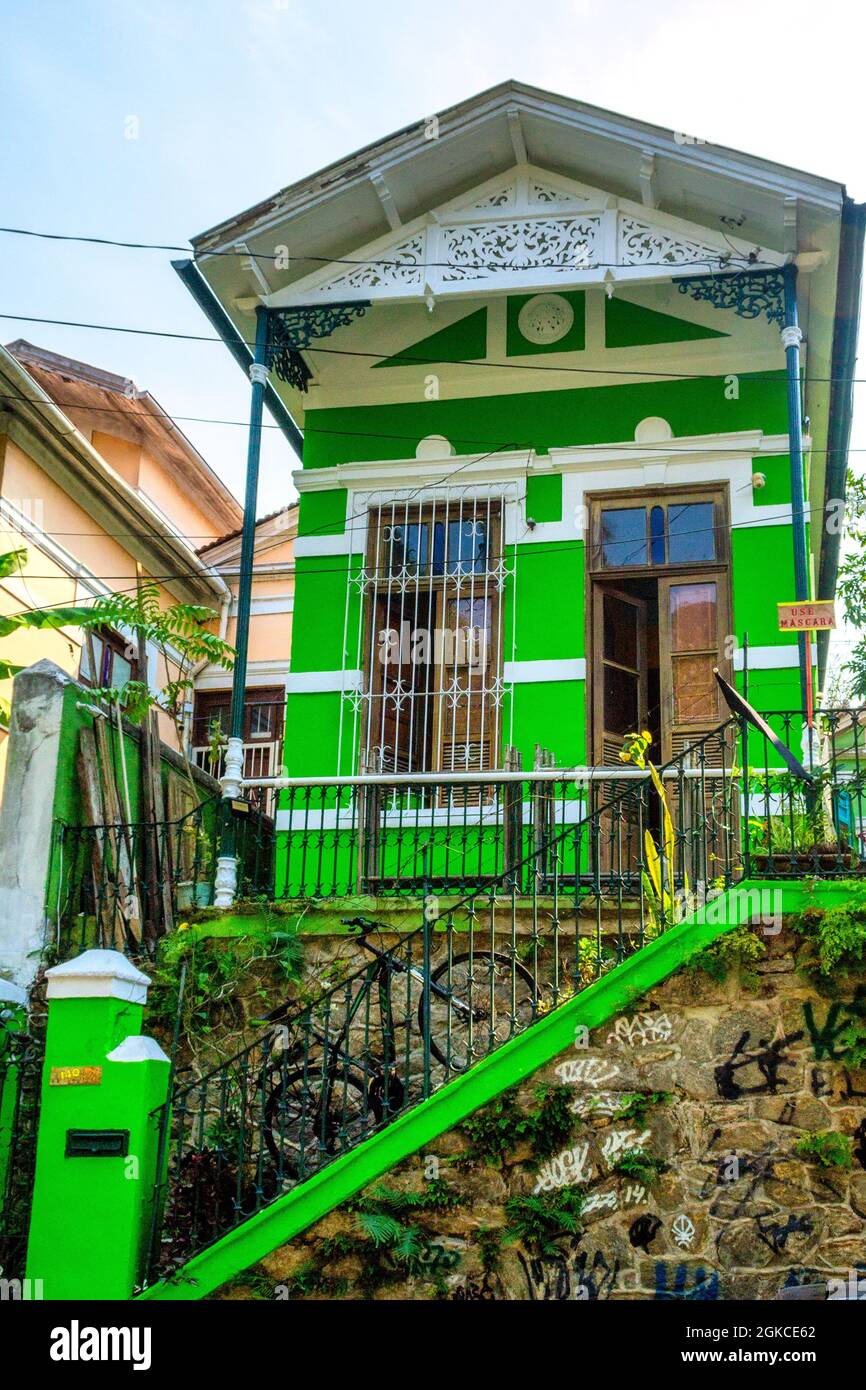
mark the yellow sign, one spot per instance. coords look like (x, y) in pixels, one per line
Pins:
(817, 616)
(75, 1076)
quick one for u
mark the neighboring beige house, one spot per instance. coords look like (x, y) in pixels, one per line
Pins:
(102, 488)
(269, 645)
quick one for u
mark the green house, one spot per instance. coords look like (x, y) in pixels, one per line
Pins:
(568, 394)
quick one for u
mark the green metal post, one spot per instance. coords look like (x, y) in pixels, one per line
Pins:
(791, 338)
(96, 1158)
(226, 876)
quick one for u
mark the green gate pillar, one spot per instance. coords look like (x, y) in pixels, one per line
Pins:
(96, 1157)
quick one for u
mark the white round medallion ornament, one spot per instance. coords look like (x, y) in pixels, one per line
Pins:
(545, 319)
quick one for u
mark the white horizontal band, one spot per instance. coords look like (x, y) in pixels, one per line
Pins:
(534, 672)
(767, 658)
(318, 682)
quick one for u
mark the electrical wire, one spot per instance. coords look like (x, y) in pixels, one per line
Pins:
(773, 377)
(544, 549)
(721, 261)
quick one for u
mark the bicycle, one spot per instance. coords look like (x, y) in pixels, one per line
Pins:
(323, 1096)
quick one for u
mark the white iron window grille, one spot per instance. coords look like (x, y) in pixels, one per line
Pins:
(432, 645)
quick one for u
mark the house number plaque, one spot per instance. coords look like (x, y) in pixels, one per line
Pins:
(75, 1076)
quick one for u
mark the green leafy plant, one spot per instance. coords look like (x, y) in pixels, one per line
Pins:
(489, 1250)
(642, 1166)
(851, 585)
(738, 950)
(539, 1221)
(853, 1039)
(635, 1106)
(217, 971)
(436, 1195)
(827, 1147)
(499, 1128)
(837, 935)
(180, 635)
(41, 619)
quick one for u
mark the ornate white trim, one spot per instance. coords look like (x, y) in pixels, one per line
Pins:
(226, 881)
(530, 229)
(233, 768)
(545, 318)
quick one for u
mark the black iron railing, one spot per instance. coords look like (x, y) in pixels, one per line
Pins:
(123, 886)
(21, 1057)
(337, 837)
(806, 826)
(415, 1010)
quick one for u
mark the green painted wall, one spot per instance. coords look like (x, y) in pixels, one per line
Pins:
(544, 419)
(543, 602)
(90, 1219)
(323, 513)
(464, 340)
(632, 325)
(544, 497)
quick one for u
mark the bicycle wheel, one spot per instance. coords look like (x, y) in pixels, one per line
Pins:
(301, 1138)
(480, 1012)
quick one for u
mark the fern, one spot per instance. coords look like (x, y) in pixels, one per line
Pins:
(538, 1221)
(381, 1228)
(827, 1147)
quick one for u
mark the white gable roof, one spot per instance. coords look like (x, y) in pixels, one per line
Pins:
(529, 229)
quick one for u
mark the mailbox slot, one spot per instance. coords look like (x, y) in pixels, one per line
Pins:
(97, 1143)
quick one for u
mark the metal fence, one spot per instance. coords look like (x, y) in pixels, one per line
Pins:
(377, 834)
(413, 1011)
(124, 886)
(21, 1059)
(798, 827)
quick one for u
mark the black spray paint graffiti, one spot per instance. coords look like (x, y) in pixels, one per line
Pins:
(768, 1057)
(839, 1016)
(569, 1275)
(775, 1234)
(472, 1292)
(821, 1085)
(643, 1231)
(730, 1168)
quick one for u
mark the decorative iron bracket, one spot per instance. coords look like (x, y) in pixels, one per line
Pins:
(290, 331)
(749, 293)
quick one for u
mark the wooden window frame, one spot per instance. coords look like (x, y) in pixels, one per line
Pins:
(442, 589)
(595, 573)
(113, 644)
(629, 497)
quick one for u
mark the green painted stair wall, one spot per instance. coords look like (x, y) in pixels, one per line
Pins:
(288, 1216)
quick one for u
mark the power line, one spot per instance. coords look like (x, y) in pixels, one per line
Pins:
(545, 548)
(776, 377)
(719, 262)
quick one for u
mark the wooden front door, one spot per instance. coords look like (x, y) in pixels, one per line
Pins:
(620, 700)
(620, 673)
(693, 622)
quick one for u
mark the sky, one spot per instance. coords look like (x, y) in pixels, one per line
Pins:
(228, 101)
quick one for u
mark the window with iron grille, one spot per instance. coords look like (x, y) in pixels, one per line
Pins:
(432, 659)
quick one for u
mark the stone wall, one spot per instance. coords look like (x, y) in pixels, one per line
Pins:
(735, 1074)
